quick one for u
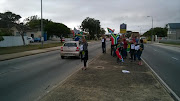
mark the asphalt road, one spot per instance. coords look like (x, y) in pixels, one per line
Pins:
(165, 61)
(28, 78)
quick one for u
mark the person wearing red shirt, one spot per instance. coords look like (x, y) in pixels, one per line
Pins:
(125, 48)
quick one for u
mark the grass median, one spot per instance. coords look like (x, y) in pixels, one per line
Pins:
(104, 81)
(170, 43)
(16, 49)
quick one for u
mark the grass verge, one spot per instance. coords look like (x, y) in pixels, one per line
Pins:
(170, 43)
(104, 81)
(16, 49)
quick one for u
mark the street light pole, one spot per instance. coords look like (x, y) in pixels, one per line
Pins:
(140, 29)
(41, 26)
(152, 24)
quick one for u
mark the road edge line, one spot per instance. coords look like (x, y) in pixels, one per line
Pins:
(168, 89)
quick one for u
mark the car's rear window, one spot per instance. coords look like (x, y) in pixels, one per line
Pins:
(70, 44)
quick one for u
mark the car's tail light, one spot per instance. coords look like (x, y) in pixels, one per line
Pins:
(61, 48)
(77, 49)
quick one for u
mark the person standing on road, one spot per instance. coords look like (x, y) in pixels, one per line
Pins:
(140, 52)
(103, 44)
(84, 52)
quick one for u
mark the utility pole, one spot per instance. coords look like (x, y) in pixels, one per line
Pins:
(140, 29)
(41, 26)
(152, 25)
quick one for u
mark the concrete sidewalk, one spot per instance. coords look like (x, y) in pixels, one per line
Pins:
(26, 53)
(105, 81)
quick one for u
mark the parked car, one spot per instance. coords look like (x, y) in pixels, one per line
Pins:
(37, 39)
(31, 40)
(70, 48)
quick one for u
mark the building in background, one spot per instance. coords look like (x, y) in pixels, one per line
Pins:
(173, 31)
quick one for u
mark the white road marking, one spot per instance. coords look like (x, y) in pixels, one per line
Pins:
(154, 50)
(175, 58)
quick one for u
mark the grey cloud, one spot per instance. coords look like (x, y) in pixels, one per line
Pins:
(110, 13)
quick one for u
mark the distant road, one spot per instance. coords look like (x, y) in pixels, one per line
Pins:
(165, 61)
(27, 78)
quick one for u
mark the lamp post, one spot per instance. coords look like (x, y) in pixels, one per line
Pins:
(152, 24)
(41, 26)
(140, 29)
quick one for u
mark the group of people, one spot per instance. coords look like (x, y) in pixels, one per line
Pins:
(120, 50)
(136, 47)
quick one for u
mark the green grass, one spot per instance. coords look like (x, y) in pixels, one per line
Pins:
(170, 43)
(16, 49)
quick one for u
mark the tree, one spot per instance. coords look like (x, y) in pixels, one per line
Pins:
(102, 31)
(8, 19)
(52, 28)
(92, 26)
(22, 28)
(57, 29)
(34, 22)
(160, 32)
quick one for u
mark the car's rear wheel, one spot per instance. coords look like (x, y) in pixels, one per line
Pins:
(62, 57)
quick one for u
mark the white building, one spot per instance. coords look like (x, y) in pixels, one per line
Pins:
(173, 31)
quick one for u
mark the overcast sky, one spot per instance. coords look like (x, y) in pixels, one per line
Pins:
(111, 13)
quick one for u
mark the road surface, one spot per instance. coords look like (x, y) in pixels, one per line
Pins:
(28, 78)
(165, 61)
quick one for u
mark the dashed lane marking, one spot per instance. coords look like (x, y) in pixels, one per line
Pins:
(175, 58)
(155, 50)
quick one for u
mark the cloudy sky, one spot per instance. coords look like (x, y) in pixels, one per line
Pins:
(111, 13)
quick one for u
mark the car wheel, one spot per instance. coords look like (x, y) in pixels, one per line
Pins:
(62, 57)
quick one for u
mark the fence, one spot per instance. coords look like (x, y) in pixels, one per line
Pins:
(10, 41)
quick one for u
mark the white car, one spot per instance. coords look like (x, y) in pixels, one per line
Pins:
(31, 40)
(70, 48)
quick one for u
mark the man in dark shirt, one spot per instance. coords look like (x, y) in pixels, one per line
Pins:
(103, 44)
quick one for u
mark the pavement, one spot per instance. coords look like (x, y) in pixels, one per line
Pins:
(104, 81)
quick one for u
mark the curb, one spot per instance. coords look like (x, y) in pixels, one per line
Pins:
(63, 81)
(167, 88)
(28, 55)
